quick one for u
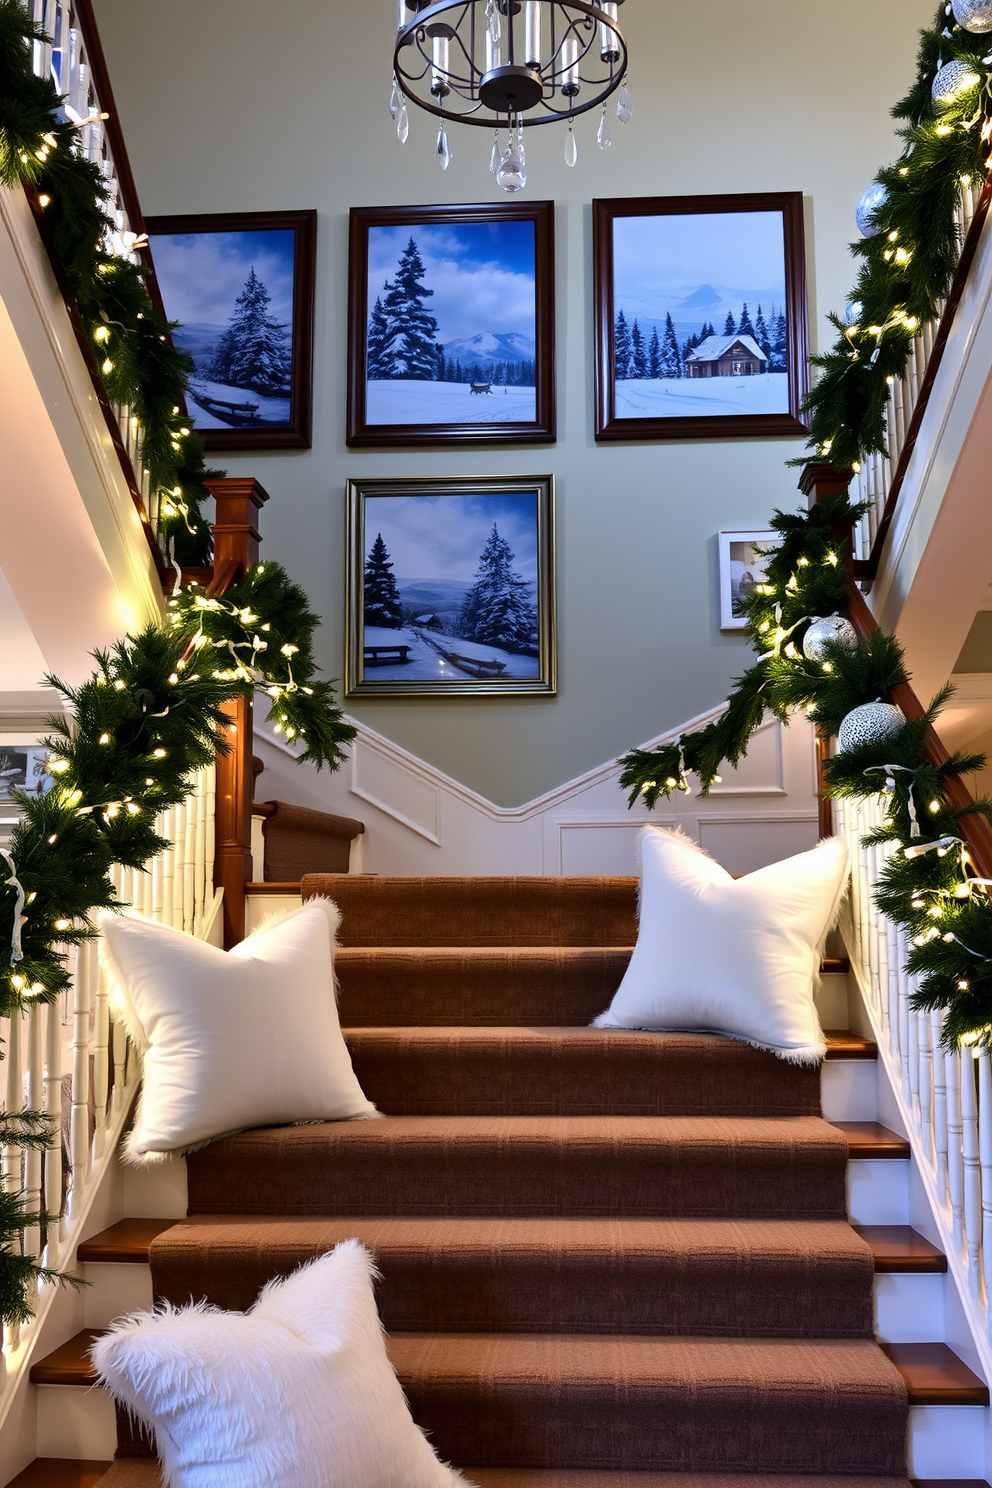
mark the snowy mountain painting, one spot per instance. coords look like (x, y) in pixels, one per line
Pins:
(233, 294)
(450, 588)
(700, 323)
(451, 324)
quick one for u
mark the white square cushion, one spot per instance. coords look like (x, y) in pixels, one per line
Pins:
(296, 1393)
(231, 1039)
(733, 956)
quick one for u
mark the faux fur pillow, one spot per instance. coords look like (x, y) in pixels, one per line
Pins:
(734, 956)
(231, 1039)
(296, 1393)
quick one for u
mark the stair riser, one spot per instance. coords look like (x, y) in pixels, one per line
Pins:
(481, 912)
(75, 1423)
(878, 1191)
(660, 1428)
(314, 1176)
(629, 1074)
(910, 1309)
(849, 1089)
(472, 988)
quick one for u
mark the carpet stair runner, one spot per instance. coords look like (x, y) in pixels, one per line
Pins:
(609, 1260)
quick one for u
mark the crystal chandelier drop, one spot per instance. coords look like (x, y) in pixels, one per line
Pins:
(497, 63)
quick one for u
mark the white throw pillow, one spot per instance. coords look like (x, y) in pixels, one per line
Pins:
(734, 956)
(296, 1393)
(231, 1039)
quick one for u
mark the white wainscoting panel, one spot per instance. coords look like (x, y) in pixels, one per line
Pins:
(421, 821)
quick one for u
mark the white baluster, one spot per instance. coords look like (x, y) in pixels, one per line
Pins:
(200, 850)
(955, 1141)
(939, 1106)
(168, 865)
(12, 1156)
(53, 1108)
(972, 1170)
(120, 1063)
(101, 1059)
(79, 1118)
(210, 808)
(189, 867)
(985, 1153)
(178, 865)
(922, 1022)
(36, 1102)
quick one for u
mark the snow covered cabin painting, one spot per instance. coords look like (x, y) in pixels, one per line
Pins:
(450, 328)
(701, 316)
(241, 288)
(450, 586)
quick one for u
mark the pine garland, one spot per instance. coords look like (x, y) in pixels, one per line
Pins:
(907, 266)
(131, 342)
(933, 895)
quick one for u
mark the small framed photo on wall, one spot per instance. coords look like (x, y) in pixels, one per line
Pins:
(701, 325)
(450, 587)
(242, 287)
(743, 556)
(451, 325)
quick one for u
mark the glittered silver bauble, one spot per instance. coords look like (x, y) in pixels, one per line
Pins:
(872, 723)
(973, 15)
(864, 215)
(853, 312)
(830, 628)
(953, 79)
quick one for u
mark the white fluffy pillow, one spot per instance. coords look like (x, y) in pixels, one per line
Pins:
(296, 1393)
(231, 1039)
(734, 956)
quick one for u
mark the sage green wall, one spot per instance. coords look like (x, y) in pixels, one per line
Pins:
(239, 105)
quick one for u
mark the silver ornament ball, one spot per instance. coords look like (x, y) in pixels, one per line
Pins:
(872, 723)
(830, 628)
(953, 79)
(864, 215)
(853, 312)
(973, 15)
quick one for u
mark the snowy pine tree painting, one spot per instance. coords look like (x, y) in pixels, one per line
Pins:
(700, 326)
(454, 586)
(233, 294)
(450, 336)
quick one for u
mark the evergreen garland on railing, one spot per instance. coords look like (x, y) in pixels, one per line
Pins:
(130, 341)
(137, 731)
(908, 262)
(928, 885)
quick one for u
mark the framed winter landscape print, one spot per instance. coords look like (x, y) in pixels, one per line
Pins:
(242, 287)
(700, 316)
(451, 325)
(450, 587)
(743, 556)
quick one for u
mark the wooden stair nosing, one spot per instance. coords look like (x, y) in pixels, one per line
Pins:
(871, 1139)
(126, 1242)
(842, 1044)
(61, 1472)
(933, 1373)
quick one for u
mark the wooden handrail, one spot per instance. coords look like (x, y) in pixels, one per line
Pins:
(819, 482)
(867, 569)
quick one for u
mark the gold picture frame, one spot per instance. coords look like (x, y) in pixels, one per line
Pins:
(440, 601)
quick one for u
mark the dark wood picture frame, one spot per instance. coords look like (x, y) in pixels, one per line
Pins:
(459, 667)
(542, 430)
(297, 432)
(609, 427)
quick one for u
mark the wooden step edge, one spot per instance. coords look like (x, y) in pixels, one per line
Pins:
(274, 888)
(871, 1139)
(900, 1248)
(69, 1364)
(835, 965)
(61, 1472)
(935, 1375)
(126, 1242)
(842, 1044)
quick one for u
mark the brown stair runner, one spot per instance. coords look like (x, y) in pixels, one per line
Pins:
(610, 1261)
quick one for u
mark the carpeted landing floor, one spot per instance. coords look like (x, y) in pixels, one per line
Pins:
(609, 1260)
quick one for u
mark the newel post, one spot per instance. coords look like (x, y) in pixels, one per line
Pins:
(818, 482)
(236, 541)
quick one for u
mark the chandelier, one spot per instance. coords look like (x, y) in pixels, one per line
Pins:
(493, 63)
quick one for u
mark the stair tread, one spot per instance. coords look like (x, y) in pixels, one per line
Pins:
(901, 1248)
(69, 1364)
(137, 1472)
(842, 1044)
(65, 1472)
(871, 1139)
(128, 1240)
(935, 1375)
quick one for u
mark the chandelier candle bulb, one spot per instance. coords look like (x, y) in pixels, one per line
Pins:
(493, 57)
(532, 34)
(570, 85)
(441, 47)
(609, 47)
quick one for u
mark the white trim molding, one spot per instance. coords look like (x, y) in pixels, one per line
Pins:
(421, 821)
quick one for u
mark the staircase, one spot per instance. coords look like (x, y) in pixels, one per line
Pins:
(603, 1254)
